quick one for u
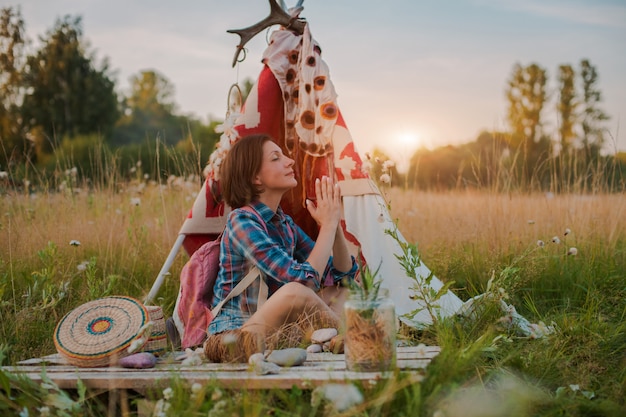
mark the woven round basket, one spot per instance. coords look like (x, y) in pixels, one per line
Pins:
(157, 343)
(99, 333)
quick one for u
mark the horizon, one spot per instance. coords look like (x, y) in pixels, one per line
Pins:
(408, 74)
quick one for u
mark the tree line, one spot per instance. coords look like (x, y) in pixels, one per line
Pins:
(532, 155)
(61, 101)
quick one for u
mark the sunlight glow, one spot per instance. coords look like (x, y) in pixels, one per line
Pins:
(407, 141)
(402, 145)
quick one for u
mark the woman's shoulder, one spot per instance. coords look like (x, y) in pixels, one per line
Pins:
(246, 214)
(241, 213)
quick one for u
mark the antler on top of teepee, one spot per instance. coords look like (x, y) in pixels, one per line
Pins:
(278, 16)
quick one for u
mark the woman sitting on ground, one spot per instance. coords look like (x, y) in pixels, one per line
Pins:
(303, 275)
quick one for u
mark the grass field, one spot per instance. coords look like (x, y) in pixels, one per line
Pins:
(59, 250)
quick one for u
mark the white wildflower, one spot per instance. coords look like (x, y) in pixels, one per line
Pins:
(388, 164)
(161, 408)
(168, 393)
(4, 175)
(196, 390)
(541, 243)
(82, 266)
(74, 171)
(219, 409)
(135, 201)
(74, 243)
(366, 166)
(572, 251)
(556, 240)
(567, 231)
(339, 396)
(138, 164)
(217, 394)
(133, 170)
(385, 179)
(146, 176)
(574, 387)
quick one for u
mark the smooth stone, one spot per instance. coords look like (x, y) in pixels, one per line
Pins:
(193, 357)
(141, 360)
(315, 348)
(265, 368)
(323, 335)
(287, 357)
(194, 360)
(256, 358)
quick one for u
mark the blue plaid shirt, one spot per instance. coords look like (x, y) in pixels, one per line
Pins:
(280, 254)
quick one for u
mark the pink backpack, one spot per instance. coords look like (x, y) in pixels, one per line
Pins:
(192, 312)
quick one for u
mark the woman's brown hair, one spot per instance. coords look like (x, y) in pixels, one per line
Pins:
(241, 164)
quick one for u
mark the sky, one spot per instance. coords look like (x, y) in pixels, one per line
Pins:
(408, 73)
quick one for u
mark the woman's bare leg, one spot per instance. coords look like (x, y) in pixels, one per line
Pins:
(335, 297)
(289, 304)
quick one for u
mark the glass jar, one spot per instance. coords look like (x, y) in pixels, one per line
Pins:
(370, 341)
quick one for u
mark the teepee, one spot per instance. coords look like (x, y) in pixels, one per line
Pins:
(295, 102)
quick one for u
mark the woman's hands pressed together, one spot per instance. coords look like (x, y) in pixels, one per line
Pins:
(326, 211)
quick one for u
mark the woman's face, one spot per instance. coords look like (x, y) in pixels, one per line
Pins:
(276, 173)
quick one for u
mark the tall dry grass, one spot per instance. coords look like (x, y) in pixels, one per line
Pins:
(466, 235)
(451, 219)
(126, 232)
(106, 223)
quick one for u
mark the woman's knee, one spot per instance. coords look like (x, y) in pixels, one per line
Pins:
(296, 292)
(300, 297)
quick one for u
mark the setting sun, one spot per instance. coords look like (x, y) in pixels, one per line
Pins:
(401, 146)
(408, 140)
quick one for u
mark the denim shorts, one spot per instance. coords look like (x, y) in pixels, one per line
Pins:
(228, 319)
